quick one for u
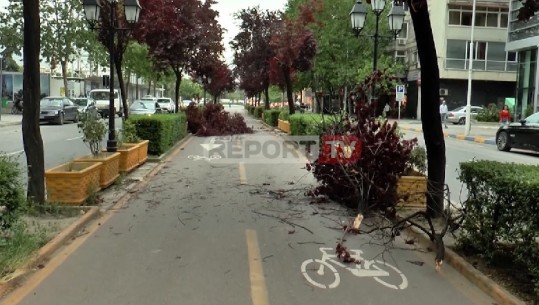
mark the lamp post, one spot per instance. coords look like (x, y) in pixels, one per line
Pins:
(395, 19)
(92, 10)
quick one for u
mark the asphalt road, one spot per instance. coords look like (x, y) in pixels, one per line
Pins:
(61, 143)
(458, 151)
(234, 232)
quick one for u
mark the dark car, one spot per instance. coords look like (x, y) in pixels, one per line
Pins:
(523, 135)
(58, 109)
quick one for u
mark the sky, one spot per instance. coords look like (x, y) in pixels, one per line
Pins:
(226, 9)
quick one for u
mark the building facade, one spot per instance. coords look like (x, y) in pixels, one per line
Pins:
(494, 67)
(523, 39)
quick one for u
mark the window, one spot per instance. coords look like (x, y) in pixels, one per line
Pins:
(488, 56)
(484, 17)
(456, 49)
(496, 51)
(466, 18)
(480, 50)
(512, 56)
(404, 31)
(480, 18)
(492, 20)
(454, 17)
(503, 20)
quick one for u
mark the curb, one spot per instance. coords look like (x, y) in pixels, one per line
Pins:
(53, 245)
(476, 277)
(476, 139)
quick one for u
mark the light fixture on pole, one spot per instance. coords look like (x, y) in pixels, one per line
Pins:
(92, 12)
(358, 15)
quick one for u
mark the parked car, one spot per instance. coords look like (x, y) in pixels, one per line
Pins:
(102, 101)
(84, 103)
(145, 107)
(58, 109)
(166, 104)
(458, 115)
(521, 135)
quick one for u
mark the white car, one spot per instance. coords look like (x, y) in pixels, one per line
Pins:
(166, 104)
(458, 115)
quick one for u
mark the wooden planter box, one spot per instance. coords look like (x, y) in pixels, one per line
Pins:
(72, 182)
(412, 192)
(284, 126)
(143, 151)
(110, 170)
(128, 157)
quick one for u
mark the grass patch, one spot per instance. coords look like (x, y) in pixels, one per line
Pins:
(18, 247)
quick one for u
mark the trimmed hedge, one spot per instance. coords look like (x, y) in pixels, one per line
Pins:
(271, 116)
(502, 213)
(309, 123)
(163, 130)
(258, 112)
(285, 115)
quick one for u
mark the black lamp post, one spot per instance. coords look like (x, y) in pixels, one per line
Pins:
(92, 10)
(395, 18)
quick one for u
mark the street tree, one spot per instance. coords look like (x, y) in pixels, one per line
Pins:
(252, 50)
(222, 80)
(31, 134)
(173, 31)
(295, 45)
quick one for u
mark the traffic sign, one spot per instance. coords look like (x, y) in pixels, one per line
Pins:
(399, 93)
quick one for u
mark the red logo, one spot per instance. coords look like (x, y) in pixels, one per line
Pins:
(340, 150)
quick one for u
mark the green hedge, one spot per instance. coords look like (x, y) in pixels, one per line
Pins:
(163, 130)
(285, 115)
(12, 196)
(258, 112)
(490, 114)
(502, 213)
(271, 116)
(309, 123)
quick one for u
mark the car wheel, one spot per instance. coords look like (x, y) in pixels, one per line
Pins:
(61, 119)
(502, 141)
(462, 121)
(120, 113)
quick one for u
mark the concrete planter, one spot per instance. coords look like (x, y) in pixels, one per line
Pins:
(129, 158)
(110, 170)
(284, 126)
(71, 183)
(143, 151)
(412, 192)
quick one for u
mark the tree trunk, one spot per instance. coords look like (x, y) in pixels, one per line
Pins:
(118, 66)
(127, 85)
(431, 121)
(63, 63)
(266, 98)
(136, 88)
(178, 73)
(149, 87)
(31, 134)
(289, 93)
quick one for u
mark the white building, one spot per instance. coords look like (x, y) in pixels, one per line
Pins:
(494, 68)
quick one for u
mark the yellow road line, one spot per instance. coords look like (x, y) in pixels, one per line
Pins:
(243, 175)
(259, 292)
(479, 140)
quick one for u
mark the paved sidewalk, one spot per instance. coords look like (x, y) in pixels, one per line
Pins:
(480, 132)
(10, 119)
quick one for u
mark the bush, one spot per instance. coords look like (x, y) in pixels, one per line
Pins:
(271, 116)
(490, 114)
(212, 120)
(371, 182)
(258, 112)
(501, 212)
(285, 114)
(163, 130)
(529, 110)
(12, 197)
(309, 123)
(93, 131)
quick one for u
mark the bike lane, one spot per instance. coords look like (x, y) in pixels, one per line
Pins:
(208, 232)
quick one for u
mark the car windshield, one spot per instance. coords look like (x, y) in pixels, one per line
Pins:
(534, 118)
(81, 102)
(163, 100)
(102, 95)
(47, 102)
(143, 105)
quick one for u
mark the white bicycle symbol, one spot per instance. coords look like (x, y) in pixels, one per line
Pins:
(366, 268)
(198, 157)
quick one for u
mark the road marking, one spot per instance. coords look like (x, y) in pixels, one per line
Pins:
(243, 175)
(73, 139)
(259, 292)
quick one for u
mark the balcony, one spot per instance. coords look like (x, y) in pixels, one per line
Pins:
(481, 65)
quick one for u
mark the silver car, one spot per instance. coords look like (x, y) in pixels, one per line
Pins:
(458, 115)
(166, 104)
(144, 107)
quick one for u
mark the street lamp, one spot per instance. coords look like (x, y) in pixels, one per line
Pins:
(358, 15)
(92, 12)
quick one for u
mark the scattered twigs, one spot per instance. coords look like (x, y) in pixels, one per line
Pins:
(284, 220)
